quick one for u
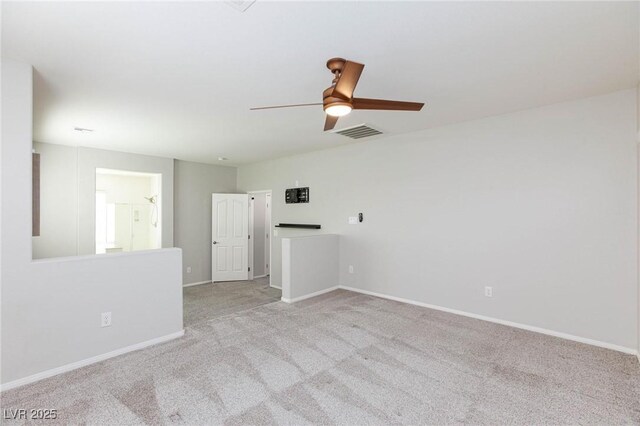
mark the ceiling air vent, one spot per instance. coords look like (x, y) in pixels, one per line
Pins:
(358, 132)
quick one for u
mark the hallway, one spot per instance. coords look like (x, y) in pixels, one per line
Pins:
(213, 300)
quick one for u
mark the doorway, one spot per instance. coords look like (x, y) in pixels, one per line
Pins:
(229, 232)
(231, 289)
(260, 234)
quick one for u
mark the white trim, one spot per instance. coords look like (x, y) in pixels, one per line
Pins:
(267, 244)
(103, 256)
(259, 276)
(251, 244)
(499, 321)
(98, 358)
(268, 192)
(230, 275)
(275, 286)
(308, 296)
(196, 283)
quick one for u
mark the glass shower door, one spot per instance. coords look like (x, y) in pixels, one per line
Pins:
(141, 227)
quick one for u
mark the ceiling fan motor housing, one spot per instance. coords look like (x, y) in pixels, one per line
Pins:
(336, 65)
(328, 100)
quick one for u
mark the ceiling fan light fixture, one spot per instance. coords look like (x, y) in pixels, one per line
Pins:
(338, 99)
(338, 109)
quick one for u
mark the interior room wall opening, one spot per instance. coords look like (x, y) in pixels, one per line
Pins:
(128, 211)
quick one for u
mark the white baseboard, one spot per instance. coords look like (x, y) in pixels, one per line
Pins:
(83, 363)
(307, 296)
(198, 283)
(275, 286)
(499, 321)
(259, 276)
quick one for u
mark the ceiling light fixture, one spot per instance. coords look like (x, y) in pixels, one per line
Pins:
(222, 158)
(338, 109)
(82, 129)
(338, 100)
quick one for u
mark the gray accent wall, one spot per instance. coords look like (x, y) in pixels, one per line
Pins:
(540, 205)
(194, 184)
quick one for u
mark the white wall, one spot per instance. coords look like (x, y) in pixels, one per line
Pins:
(68, 194)
(194, 184)
(51, 308)
(540, 204)
(91, 159)
(128, 189)
(309, 266)
(58, 202)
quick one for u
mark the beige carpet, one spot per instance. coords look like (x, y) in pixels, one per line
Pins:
(207, 301)
(346, 358)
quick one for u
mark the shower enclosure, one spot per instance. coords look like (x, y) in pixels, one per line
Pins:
(127, 211)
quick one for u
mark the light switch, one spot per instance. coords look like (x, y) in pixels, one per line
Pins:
(353, 220)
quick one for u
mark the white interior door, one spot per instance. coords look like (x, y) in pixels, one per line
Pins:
(230, 233)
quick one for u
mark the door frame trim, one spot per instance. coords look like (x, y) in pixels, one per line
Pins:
(248, 201)
(251, 231)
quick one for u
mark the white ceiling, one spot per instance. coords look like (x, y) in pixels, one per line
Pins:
(177, 79)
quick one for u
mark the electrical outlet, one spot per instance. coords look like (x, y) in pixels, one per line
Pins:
(105, 319)
(351, 269)
(488, 291)
(188, 269)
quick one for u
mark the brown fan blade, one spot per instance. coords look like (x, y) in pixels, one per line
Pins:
(381, 104)
(285, 106)
(348, 79)
(330, 122)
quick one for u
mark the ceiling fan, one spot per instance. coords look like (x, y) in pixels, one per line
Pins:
(338, 100)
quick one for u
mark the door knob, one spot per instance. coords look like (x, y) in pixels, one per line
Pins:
(215, 242)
